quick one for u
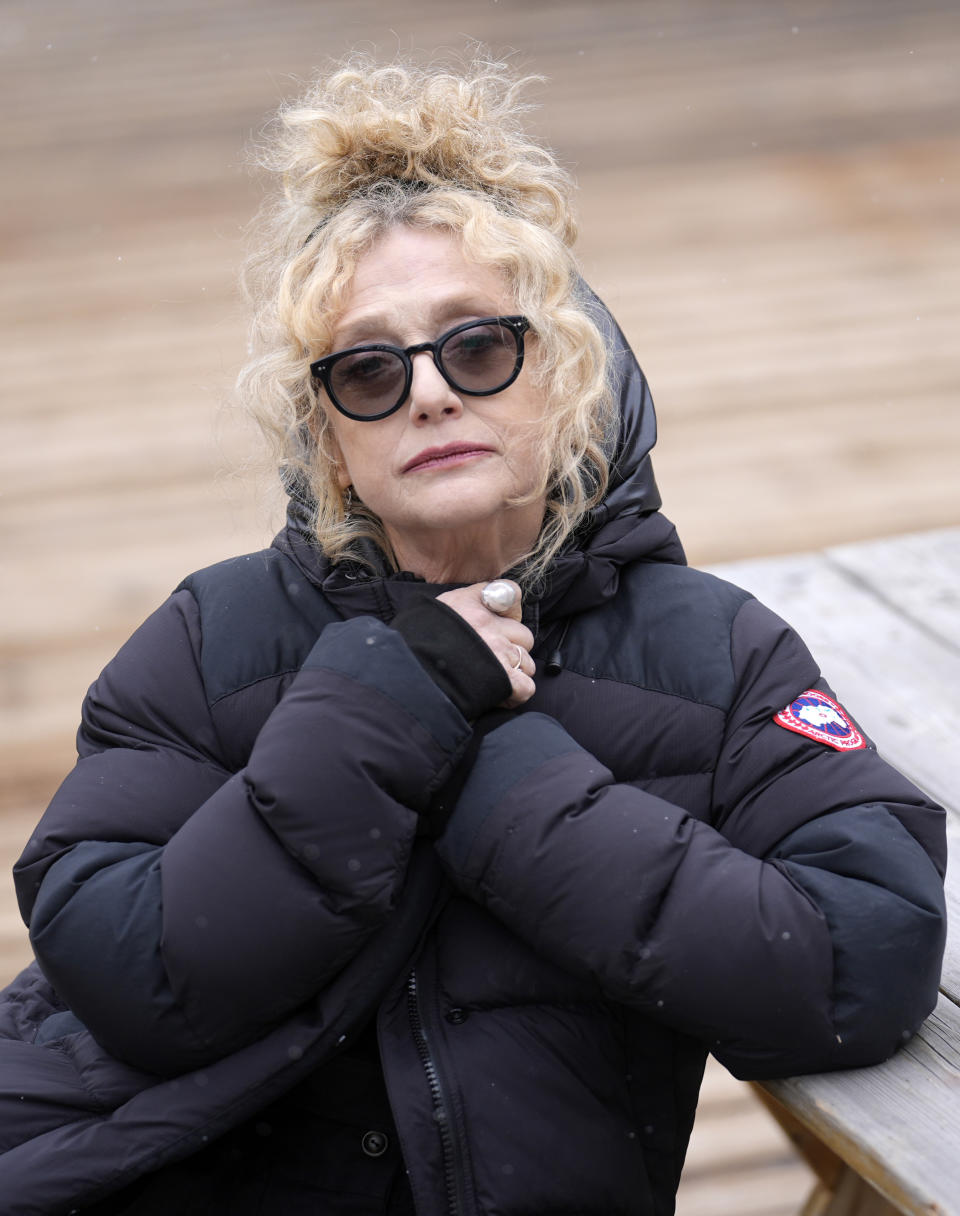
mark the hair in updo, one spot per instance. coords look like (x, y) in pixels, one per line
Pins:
(366, 149)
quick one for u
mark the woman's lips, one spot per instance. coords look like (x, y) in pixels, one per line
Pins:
(451, 454)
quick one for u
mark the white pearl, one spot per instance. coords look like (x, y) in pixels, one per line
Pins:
(499, 596)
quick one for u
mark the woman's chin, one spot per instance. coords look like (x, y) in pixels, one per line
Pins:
(454, 502)
(464, 532)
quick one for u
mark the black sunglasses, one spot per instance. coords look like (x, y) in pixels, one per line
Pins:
(478, 358)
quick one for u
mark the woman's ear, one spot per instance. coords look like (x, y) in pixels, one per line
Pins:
(343, 475)
(331, 448)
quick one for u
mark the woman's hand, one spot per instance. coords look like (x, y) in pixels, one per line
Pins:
(509, 639)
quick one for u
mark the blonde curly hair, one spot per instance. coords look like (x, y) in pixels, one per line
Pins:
(366, 149)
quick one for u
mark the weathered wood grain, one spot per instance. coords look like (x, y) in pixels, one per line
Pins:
(895, 1124)
(918, 575)
(773, 1188)
(16, 824)
(768, 202)
(950, 983)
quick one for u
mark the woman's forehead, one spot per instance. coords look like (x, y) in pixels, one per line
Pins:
(419, 276)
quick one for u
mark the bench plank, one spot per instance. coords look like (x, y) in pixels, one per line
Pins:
(950, 980)
(894, 1123)
(917, 574)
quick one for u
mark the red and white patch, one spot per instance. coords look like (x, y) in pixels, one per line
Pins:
(819, 717)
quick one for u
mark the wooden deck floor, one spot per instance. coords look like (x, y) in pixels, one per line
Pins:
(769, 197)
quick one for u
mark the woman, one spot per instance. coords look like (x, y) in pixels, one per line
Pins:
(454, 829)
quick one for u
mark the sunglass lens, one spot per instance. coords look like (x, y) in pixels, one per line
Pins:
(480, 358)
(368, 382)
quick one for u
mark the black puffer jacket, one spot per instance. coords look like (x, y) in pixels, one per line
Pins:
(641, 866)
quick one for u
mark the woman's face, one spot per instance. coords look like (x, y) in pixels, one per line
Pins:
(440, 471)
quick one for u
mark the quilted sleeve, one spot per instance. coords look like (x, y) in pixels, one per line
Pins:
(180, 908)
(800, 930)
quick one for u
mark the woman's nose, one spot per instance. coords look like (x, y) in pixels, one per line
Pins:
(430, 395)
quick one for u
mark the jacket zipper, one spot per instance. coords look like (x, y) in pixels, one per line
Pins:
(440, 1109)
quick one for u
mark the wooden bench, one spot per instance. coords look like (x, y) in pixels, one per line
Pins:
(883, 619)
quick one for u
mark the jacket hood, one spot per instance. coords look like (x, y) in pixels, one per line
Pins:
(632, 488)
(627, 525)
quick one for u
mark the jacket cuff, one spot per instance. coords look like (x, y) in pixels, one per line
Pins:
(444, 801)
(454, 655)
(367, 651)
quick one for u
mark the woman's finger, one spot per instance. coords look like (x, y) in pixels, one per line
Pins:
(468, 603)
(520, 667)
(504, 632)
(522, 689)
(523, 661)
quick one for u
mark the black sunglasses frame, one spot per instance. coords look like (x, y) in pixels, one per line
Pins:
(320, 369)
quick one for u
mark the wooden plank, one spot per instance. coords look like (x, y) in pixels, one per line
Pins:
(824, 1162)
(919, 575)
(736, 1135)
(826, 246)
(738, 1159)
(16, 824)
(776, 1188)
(894, 678)
(852, 1196)
(950, 980)
(895, 1124)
